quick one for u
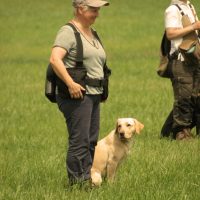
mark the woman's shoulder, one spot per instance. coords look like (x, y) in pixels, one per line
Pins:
(66, 28)
(66, 32)
(172, 9)
(65, 38)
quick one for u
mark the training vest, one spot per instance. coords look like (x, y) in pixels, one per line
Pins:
(54, 84)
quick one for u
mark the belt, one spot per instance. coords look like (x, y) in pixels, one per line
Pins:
(94, 82)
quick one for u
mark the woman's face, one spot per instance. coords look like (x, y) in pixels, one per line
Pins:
(89, 14)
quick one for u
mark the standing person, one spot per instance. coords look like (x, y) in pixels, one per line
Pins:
(184, 69)
(82, 110)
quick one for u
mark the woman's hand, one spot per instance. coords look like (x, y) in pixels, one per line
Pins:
(76, 90)
(196, 25)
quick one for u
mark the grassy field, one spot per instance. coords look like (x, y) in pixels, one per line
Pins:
(33, 136)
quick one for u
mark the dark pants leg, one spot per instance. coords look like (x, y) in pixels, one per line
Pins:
(196, 96)
(82, 118)
(183, 109)
(186, 112)
(167, 126)
(94, 129)
(197, 115)
(166, 130)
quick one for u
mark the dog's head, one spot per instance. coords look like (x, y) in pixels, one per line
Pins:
(127, 127)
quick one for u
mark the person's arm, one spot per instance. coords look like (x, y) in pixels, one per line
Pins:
(56, 57)
(173, 33)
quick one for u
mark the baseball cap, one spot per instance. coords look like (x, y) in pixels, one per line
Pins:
(91, 3)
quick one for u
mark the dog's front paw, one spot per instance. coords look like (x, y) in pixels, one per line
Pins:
(96, 179)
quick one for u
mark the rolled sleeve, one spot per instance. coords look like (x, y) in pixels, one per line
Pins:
(172, 17)
(65, 38)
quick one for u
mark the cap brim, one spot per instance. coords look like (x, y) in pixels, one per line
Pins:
(97, 4)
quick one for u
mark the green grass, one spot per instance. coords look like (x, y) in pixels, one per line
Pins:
(33, 136)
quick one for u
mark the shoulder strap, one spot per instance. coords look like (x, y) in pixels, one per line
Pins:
(96, 35)
(193, 11)
(195, 16)
(98, 38)
(79, 58)
(181, 11)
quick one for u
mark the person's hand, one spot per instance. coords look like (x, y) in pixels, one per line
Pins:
(76, 90)
(196, 25)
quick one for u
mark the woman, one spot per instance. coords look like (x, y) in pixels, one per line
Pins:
(185, 70)
(81, 112)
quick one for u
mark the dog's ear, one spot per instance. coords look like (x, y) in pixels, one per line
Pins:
(138, 126)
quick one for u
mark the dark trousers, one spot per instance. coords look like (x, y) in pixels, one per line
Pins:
(166, 130)
(186, 110)
(182, 83)
(82, 119)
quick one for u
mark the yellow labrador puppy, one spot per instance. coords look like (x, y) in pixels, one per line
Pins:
(113, 148)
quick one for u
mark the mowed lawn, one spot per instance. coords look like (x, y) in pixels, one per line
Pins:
(33, 137)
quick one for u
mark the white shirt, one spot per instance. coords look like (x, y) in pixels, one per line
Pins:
(173, 19)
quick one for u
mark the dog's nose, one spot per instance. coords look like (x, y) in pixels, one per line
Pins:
(121, 134)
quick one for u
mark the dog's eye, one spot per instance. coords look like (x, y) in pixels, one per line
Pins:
(128, 124)
(119, 126)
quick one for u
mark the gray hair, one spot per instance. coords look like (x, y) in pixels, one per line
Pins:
(76, 3)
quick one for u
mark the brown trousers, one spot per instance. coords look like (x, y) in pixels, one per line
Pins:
(185, 83)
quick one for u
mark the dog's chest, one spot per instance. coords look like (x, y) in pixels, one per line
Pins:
(119, 152)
